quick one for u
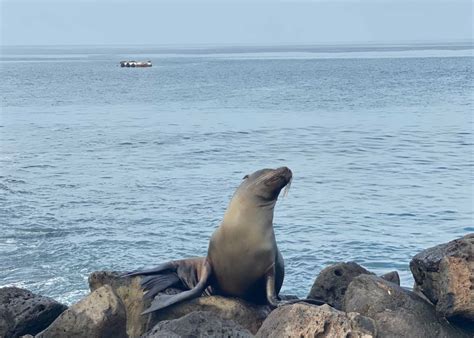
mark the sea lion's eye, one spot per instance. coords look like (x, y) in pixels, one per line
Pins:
(246, 176)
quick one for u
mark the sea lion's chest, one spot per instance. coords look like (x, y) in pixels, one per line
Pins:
(240, 257)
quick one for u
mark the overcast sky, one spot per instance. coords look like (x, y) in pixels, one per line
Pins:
(183, 22)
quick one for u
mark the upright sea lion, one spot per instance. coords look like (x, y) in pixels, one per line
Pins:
(243, 259)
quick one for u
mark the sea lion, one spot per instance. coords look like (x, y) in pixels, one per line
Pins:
(243, 259)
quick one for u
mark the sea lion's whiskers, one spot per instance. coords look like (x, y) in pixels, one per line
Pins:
(287, 188)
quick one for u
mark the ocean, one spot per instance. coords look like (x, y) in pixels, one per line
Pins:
(110, 168)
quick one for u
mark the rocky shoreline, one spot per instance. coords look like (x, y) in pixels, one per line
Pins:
(359, 304)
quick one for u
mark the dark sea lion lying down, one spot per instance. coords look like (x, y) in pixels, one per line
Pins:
(243, 259)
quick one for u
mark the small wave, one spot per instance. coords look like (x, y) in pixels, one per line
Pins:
(12, 180)
(5, 188)
(404, 214)
(64, 185)
(40, 166)
(448, 212)
(72, 296)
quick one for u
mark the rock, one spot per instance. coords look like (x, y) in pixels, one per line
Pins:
(416, 290)
(249, 316)
(99, 315)
(392, 277)
(445, 275)
(130, 293)
(23, 312)
(304, 320)
(331, 283)
(198, 324)
(397, 312)
(287, 297)
(163, 334)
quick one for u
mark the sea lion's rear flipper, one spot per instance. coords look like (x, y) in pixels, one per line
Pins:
(153, 271)
(184, 273)
(272, 296)
(154, 284)
(162, 301)
(156, 279)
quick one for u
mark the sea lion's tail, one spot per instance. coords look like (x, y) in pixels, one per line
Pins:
(191, 274)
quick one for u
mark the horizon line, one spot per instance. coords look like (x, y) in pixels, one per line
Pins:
(243, 44)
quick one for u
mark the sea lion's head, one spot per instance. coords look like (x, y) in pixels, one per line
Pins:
(254, 200)
(265, 185)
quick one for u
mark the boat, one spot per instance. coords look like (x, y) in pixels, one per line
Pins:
(135, 64)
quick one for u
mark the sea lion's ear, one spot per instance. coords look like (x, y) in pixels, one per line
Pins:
(246, 176)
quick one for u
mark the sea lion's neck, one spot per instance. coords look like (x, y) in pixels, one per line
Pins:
(242, 211)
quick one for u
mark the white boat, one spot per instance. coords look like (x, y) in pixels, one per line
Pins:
(135, 64)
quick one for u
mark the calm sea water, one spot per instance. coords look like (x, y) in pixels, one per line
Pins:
(103, 167)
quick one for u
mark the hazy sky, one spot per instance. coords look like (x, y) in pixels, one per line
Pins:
(183, 22)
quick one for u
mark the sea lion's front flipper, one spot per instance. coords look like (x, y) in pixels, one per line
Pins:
(270, 286)
(272, 296)
(162, 301)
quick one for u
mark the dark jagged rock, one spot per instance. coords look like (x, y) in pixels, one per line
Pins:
(99, 315)
(23, 312)
(445, 275)
(332, 282)
(287, 297)
(304, 320)
(392, 277)
(198, 324)
(396, 311)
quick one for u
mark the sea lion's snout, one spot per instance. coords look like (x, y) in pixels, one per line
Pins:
(266, 184)
(285, 172)
(277, 179)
